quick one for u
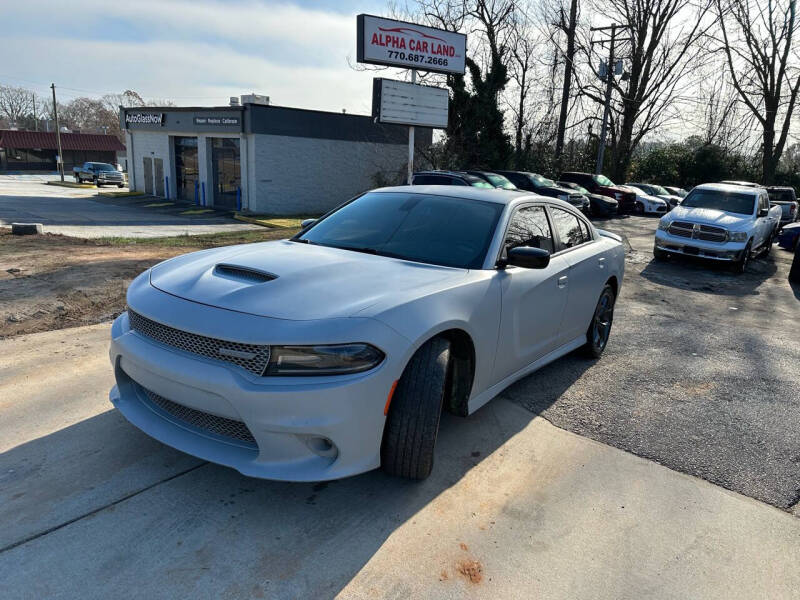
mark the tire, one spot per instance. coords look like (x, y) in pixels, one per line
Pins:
(119, 185)
(77, 178)
(768, 244)
(413, 422)
(94, 181)
(740, 266)
(639, 208)
(597, 335)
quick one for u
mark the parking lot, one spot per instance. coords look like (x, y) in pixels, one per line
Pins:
(670, 468)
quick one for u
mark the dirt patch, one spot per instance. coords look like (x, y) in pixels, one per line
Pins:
(471, 570)
(53, 281)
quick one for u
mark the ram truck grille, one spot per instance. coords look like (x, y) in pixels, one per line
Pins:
(253, 357)
(695, 231)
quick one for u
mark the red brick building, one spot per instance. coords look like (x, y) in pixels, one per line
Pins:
(37, 150)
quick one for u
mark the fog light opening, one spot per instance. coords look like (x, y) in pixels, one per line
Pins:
(322, 446)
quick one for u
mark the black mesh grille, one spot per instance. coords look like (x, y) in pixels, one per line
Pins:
(202, 420)
(252, 357)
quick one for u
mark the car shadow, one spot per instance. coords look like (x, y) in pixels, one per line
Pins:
(100, 497)
(695, 274)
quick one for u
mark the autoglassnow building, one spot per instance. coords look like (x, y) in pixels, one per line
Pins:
(262, 158)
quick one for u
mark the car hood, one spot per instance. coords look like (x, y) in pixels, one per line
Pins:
(289, 280)
(708, 216)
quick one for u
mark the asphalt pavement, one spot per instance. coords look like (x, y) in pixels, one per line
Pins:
(516, 508)
(81, 212)
(701, 374)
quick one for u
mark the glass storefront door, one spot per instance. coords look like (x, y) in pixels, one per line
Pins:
(227, 172)
(186, 167)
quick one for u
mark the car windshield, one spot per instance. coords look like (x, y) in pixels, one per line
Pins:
(540, 181)
(103, 167)
(660, 191)
(732, 202)
(603, 180)
(440, 230)
(780, 195)
(500, 182)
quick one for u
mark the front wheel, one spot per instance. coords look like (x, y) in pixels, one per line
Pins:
(600, 327)
(740, 266)
(413, 421)
(119, 185)
(639, 208)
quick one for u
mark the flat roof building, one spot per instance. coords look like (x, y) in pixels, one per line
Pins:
(260, 158)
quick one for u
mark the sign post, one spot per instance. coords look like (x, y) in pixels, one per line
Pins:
(393, 43)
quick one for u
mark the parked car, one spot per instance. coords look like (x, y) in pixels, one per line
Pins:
(720, 222)
(676, 191)
(533, 182)
(786, 198)
(647, 204)
(449, 178)
(600, 206)
(789, 236)
(334, 352)
(99, 173)
(497, 180)
(600, 184)
(659, 192)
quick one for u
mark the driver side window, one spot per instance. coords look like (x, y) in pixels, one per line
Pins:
(529, 227)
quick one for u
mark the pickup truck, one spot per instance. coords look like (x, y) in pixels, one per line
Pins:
(786, 198)
(721, 222)
(98, 173)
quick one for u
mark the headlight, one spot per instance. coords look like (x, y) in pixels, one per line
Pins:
(335, 359)
(737, 236)
(563, 197)
(663, 224)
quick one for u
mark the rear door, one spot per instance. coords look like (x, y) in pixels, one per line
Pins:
(533, 300)
(587, 271)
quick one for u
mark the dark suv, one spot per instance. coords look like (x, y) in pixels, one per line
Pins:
(497, 180)
(600, 184)
(533, 182)
(449, 178)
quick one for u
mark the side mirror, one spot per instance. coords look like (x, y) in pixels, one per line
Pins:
(527, 257)
(763, 212)
(305, 224)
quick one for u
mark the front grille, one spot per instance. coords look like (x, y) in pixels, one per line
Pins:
(230, 428)
(706, 233)
(252, 357)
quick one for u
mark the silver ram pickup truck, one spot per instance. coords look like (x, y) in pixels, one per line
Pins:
(722, 222)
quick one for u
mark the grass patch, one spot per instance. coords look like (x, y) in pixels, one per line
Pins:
(291, 222)
(197, 211)
(209, 240)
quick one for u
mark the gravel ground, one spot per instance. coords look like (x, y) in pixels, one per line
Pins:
(701, 374)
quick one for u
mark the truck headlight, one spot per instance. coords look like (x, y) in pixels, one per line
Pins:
(333, 359)
(563, 197)
(663, 224)
(737, 236)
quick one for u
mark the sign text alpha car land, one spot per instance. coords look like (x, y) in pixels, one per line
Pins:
(411, 46)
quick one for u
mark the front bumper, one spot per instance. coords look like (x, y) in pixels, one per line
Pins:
(726, 252)
(303, 428)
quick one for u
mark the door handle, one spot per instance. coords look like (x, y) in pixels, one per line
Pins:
(562, 281)
(602, 262)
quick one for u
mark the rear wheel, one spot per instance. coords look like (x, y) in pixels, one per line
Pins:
(413, 422)
(600, 327)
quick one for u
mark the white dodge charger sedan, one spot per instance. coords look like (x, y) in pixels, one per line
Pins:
(335, 352)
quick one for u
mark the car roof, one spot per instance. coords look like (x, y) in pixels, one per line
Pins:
(498, 195)
(729, 187)
(749, 184)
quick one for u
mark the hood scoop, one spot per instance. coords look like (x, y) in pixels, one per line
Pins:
(246, 274)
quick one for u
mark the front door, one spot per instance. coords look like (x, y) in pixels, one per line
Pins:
(227, 173)
(533, 300)
(186, 168)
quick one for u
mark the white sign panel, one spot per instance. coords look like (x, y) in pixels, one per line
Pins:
(410, 46)
(404, 103)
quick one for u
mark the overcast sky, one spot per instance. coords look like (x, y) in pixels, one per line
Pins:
(193, 52)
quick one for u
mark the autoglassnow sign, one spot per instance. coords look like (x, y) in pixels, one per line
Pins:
(139, 118)
(410, 46)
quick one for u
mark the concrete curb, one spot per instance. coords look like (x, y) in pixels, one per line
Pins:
(70, 184)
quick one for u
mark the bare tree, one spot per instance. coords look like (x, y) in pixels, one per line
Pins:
(16, 103)
(569, 25)
(662, 44)
(759, 40)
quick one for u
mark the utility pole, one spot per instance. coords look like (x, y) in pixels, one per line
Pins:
(58, 134)
(601, 148)
(411, 138)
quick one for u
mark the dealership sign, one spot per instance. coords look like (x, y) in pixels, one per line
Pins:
(402, 103)
(139, 118)
(410, 46)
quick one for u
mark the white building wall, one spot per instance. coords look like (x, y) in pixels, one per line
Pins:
(152, 144)
(299, 176)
